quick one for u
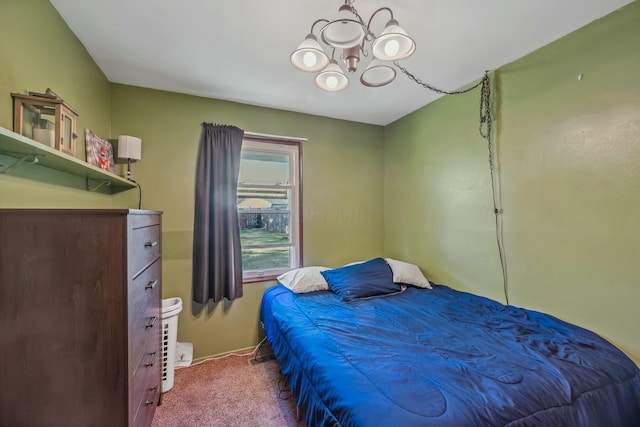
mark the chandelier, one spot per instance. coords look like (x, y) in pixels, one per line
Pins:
(349, 33)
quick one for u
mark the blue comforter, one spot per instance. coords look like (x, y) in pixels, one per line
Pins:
(444, 358)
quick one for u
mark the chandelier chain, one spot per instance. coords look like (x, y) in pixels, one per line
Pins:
(360, 20)
(485, 97)
(485, 108)
(432, 88)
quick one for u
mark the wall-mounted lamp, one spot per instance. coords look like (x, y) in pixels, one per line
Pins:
(129, 148)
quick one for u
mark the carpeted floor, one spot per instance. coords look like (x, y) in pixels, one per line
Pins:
(231, 391)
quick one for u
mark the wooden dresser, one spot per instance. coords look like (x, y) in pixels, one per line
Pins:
(80, 306)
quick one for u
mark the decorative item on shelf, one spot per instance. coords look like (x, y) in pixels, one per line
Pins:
(129, 148)
(46, 118)
(99, 151)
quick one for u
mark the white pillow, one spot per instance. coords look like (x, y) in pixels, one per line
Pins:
(403, 272)
(305, 279)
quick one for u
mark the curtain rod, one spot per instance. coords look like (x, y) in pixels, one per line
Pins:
(267, 136)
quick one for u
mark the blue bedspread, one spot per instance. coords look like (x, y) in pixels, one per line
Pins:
(444, 358)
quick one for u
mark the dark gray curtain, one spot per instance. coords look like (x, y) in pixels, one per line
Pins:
(217, 253)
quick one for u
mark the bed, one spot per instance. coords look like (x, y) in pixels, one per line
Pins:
(441, 357)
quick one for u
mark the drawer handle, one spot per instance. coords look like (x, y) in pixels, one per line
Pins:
(152, 284)
(150, 244)
(153, 397)
(154, 357)
(151, 322)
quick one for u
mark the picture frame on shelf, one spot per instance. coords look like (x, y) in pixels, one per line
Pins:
(99, 151)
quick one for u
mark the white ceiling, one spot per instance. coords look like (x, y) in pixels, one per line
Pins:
(239, 50)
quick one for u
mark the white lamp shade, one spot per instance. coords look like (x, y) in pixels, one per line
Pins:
(332, 78)
(344, 31)
(129, 147)
(393, 44)
(309, 56)
(377, 74)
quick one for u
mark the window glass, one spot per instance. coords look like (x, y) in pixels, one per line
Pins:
(264, 168)
(268, 208)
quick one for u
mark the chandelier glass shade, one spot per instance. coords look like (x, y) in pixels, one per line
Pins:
(378, 73)
(332, 78)
(309, 56)
(393, 44)
(344, 31)
(349, 33)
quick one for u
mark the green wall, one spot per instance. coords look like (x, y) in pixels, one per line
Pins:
(38, 51)
(342, 181)
(569, 173)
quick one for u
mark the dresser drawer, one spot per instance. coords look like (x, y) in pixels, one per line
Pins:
(139, 220)
(148, 357)
(144, 248)
(147, 324)
(145, 406)
(144, 290)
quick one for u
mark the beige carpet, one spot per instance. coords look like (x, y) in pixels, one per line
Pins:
(232, 391)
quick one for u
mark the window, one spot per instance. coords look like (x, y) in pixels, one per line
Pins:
(269, 200)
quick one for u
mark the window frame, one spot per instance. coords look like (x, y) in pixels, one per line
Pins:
(294, 150)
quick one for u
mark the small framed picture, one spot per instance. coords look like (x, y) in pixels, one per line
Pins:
(99, 151)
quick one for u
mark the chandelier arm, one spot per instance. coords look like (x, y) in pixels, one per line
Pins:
(314, 24)
(374, 14)
(365, 53)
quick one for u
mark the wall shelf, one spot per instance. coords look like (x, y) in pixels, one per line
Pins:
(24, 150)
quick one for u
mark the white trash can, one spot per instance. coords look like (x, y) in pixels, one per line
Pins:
(171, 307)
